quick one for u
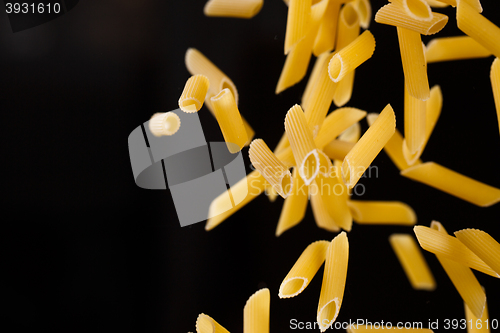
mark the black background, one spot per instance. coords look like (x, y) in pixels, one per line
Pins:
(85, 249)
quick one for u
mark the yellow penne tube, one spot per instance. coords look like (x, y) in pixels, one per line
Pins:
(197, 63)
(205, 324)
(351, 134)
(478, 27)
(302, 144)
(321, 214)
(414, 65)
(304, 269)
(382, 212)
(393, 147)
(475, 324)
(451, 248)
(194, 93)
(483, 245)
(462, 278)
(433, 108)
(167, 123)
(327, 33)
(332, 288)
(368, 147)
(297, 60)
(413, 262)
(270, 167)
(454, 183)
(338, 149)
(371, 328)
(416, 9)
(336, 123)
(313, 79)
(454, 48)
(364, 9)
(437, 4)
(351, 56)
(394, 15)
(229, 119)
(495, 86)
(256, 312)
(294, 207)
(221, 208)
(229, 8)
(348, 31)
(299, 14)
(414, 120)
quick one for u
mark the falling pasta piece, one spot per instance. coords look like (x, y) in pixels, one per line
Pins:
(462, 278)
(412, 261)
(414, 119)
(364, 9)
(221, 208)
(294, 207)
(393, 147)
(351, 56)
(414, 65)
(167, 123)
(483, 245)
(313, 79)
(433, 110)
(230, 8)
(437, 4)
(351, 134)
(454, 48)
(449, 247)
(336, 123)
(368, 147)
(495, 85)
(416, 9)
(321, 214)
(229, 119)
(382, 212)
(302, 144)
(269, 166)
(304, 269)
(205, 324)
(338, 149)
(475, 324)
(299, 14)
(454, 183)
(334, 276)
(256, 312)
(478, 27)
(327, 33)
(194, 93)
(394, 15)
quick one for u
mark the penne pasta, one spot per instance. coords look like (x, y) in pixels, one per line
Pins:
(368, 147)
(449, 247)
(351, 134)
(336, 123)
(433, 110)
(475, 324)
(416, 9)
(230, 8)
(414, 65)
(294, 207)
(454, 48)
(463, 279)
(394, 15)
(393, 147)
(167, 123)
(256, 312)
(413, 262)
(194, 93)
(414, 120)
(299, 14)
(270, 167)
(495, 86)
(454, 183)
(327, 33)
(338, 149)
(205, 324)
(313, 79)
(229, 119)
(373, 328)
(221, 208)
(478, 27)
(437, 4)
(302, 144)
(304, 269)
(332, 288)
(348, 31)
(483, 245)
(351, 56)
(364, 9)
(382, 212)
(321, 214)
